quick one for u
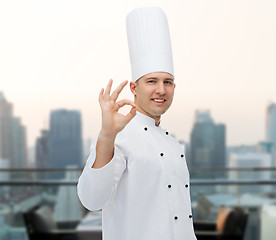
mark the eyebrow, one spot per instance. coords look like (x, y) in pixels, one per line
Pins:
(157, 78)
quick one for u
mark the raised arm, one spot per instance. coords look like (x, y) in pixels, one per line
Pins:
(112, 122)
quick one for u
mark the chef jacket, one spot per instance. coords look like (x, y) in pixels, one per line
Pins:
(144, 191)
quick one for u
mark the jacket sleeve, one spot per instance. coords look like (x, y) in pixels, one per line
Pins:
(96, 187)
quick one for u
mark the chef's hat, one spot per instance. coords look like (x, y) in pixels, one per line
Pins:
(149, 42)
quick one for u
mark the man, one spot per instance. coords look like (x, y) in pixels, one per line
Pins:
(136, 172)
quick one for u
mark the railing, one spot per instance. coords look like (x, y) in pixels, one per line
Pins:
(21, 189)
(193, 182)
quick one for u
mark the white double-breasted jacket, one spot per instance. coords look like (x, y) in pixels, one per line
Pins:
(144, 191)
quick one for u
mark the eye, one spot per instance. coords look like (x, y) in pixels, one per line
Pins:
(151, 81)
(168, 82)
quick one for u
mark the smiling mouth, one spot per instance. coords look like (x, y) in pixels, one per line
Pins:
(158, 100)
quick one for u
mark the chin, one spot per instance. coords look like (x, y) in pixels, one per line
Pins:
(158, 113)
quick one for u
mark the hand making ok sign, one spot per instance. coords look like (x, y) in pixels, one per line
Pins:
(112, 121)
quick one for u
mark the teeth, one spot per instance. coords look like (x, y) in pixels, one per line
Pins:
(159, 100)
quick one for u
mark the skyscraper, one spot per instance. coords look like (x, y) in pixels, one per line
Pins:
(18, 144)
(42, 154)
(5, 127)
(12, 136)
(65, 139)
(207, 142)
(271, 129)
(42, 150)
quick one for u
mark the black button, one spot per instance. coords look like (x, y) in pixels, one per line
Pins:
(175, 218)
(145, 128)
(161, 154)
(169, 186)
(186, 185)
(167, 133)
(182, 155)
(190, 216)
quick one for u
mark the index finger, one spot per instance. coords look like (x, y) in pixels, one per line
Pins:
(108, 87)
(118, 90)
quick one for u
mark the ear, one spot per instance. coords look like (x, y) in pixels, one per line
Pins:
(132, 86)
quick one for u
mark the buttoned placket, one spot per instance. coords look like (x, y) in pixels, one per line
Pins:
(171, 193)
(162, 155)
(169, 186)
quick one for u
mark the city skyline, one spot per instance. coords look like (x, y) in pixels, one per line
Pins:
(163, 123)
(196, 116)
(59, 54)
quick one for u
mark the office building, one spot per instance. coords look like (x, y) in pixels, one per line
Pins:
(5, 127)
(65, 139)
(12, 136)
(42, 154)
(18, 140)
(42, 150)
(207, 149)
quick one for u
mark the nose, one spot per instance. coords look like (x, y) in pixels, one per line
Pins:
(160, 89)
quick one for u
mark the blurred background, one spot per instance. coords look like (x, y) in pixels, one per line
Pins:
(55, 56)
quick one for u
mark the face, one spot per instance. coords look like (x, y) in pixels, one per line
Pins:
(153, 93)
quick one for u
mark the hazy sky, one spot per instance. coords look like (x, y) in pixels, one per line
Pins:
(59, 54)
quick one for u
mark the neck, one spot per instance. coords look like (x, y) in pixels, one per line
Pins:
(156, 118)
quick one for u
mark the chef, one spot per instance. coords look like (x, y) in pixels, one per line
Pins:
(136, 171)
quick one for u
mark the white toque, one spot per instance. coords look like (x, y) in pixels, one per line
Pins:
(149, 42)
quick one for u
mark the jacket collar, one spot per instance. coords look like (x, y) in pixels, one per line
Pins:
(147, 121)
